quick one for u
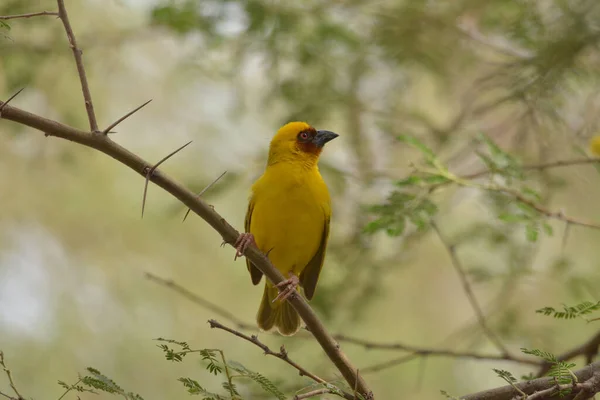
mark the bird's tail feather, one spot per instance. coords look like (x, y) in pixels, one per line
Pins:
(279, 314)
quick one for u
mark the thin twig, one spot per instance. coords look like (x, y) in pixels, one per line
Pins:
(312, 393)
(78, 54)
(9, 99)
(282, 354)
(124, 117)
(451, 249)
(540, 167)
(29, 15)
(202, 192)
(389, 363)
(9, 376)
(420, 351)
(200, 301)
(149, 171)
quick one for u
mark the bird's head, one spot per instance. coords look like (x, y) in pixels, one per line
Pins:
(298, 142)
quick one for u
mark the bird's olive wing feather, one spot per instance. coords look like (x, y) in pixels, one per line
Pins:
(310, 274)
(255, 273)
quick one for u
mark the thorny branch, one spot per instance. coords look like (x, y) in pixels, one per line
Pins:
(281, 354)
(104, 144)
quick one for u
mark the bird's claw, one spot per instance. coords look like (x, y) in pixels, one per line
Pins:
(242, 243)
(287, 288)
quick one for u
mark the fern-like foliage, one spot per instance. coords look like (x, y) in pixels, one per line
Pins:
(216, 364)
(559, 370)
(260, 379)
(101, 382)
(194, 388)
(571, 312)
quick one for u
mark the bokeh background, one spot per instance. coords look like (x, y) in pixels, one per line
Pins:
(226, 74)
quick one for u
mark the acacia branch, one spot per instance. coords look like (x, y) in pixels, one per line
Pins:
(78, 54)
(229, 234)
(281, 354)
(588, 383)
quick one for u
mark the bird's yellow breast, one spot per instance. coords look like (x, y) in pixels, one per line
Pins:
(288, 219)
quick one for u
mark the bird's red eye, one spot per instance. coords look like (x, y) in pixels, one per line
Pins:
(304, 136)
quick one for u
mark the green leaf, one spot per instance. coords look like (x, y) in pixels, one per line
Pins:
(547, 228)
(411, 180)
(546, 356)
(506, 375)
(513, 218)
(532, 231)
(528, 192)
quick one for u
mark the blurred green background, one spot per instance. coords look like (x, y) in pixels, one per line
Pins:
(226, 74)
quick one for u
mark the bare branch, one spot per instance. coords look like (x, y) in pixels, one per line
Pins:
(104, 144)
(451, 249)
(9, 99)
(10, 379)
(282, 354)
(588, 384)
(78, 54)
(124, 117)
(168, 283)
(203, 191)
(150, 171)
(29, 15)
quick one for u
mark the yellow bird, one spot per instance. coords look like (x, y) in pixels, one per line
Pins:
(595, 145)
(288, 219)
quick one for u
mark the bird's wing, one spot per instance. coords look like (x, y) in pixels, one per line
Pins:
(310, 274)
(255, 273)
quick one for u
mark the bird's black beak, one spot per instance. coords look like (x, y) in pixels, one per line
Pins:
(323, 137)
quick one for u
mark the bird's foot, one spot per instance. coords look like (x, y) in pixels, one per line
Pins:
(287, 287)
(242, 243)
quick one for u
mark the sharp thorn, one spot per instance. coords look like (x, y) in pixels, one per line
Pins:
(202, 192)
(123, 118)
(10, 98)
